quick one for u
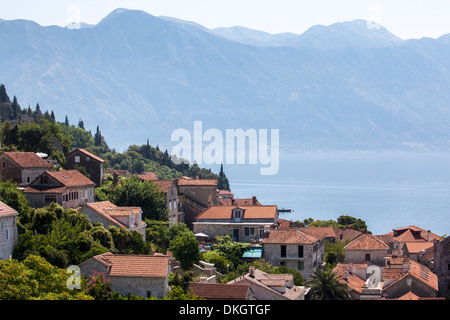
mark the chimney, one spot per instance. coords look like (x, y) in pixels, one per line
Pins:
(254, 200)
(429, 235)
(115, 178)
(13, 149)
(196, 177)
(251, 271)
(232, 200)
(346, 273)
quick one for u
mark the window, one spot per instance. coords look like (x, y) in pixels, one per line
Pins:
(300, 265)
(48, 198)
(7, 234)
(4, 164)
(77, 159)
(87, 158)
(283, 251)
(149, 293)
(28, 179)
(367, 257)
(300, 251)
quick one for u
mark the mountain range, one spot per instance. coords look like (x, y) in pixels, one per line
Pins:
(350, 85)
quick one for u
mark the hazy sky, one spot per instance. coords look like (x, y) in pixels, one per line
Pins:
(405, 18)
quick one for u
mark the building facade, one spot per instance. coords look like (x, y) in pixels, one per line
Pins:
(8, 231)
(70, 189)
(92, 164)
(22, 167)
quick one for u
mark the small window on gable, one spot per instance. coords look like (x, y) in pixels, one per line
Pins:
(87, 158)
(77, 159)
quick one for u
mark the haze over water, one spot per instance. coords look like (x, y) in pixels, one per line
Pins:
(386, 189)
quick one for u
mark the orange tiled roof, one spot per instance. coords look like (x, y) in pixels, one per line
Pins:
(148, 176)
(184, 181)
(289, 235)
(219, 291)
(27, 159)
(354, 282)
(6, 210)
(89, 154)
(250, 212)
(416, 247)
(366, 241)
(109, 210)
(412, 233)
(71, 178)
(135, 265)
(164, 184)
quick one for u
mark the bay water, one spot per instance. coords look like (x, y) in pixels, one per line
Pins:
(385, 189)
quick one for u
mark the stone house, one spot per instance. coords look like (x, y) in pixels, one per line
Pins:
(243, 224)
(202, 191)
(366, 248)
(397, 278)
(141, 275)
(169, 188)
(22, 167)
(300, 249)
(70, 189)
(8, 231)
(267, 286)
(92, 164)
(442, 265)
(402, 275)
(221, 291)
(109, 214)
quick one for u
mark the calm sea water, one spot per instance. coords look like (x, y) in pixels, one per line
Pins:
(386, 189)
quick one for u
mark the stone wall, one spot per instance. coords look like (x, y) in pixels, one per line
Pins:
(7, 246)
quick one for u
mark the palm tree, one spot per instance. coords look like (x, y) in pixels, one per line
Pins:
(325, 285)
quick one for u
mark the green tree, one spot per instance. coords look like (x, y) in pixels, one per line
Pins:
(325, 285)
(35, 278)
(185, 249)
(222, 182)
(3, 95)
(139, 193)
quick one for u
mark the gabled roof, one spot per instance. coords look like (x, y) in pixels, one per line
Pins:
(226, 212)
(366, 241)
(219, 291)
(110, 211)
(70, 178)
(185, 181)
(290, 235)
(6, 210)
(27, 159)
(354, 282)
(164, 185)
(155, 266)
(87, 153)
(148, 176)
(412, 233)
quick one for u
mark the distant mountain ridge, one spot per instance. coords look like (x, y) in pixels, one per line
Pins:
(344, 86)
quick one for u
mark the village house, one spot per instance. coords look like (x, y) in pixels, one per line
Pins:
(398, 278)
(22, 167)
(266, 286)
(89, 161)
(221, 291)
(109, 214)
(8, 231)
(70, 189)
(243, 224)
(203, 192)
(299, 249)
(169, 188)
(141, 275)
(366, 249)
(441, 265)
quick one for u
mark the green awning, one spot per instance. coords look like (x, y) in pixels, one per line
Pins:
(254, 253)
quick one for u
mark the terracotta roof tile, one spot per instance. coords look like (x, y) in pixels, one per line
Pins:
(250, 212)
(366, 241)
(71, 178)
(89, 154)
(219, 291)
(27, 159)
(184, 181)
(164, 185)
(289, 235)
(136, 265)
(6, 210)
